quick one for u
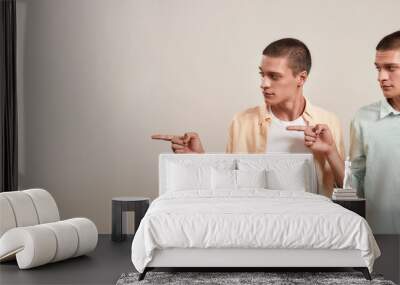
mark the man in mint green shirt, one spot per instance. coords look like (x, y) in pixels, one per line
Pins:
(375, 143)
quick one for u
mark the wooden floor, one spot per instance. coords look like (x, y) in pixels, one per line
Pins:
(111, 259)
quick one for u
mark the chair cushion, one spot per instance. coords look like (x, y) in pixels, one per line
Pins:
(7, 216)
(67, 239)
(46, 207)
(23, 208)
(27, 208)
(87, 233)
(40, 244)
(33, 245)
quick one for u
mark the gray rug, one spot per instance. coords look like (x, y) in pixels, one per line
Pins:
(228, 278)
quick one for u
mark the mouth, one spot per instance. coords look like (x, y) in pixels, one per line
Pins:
(386, 87)
(268, 94)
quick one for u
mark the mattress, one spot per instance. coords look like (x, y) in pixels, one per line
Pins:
(252, 218)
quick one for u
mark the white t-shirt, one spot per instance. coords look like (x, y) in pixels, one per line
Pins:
(282, 140)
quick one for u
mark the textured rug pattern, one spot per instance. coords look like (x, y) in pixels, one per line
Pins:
(273, 278)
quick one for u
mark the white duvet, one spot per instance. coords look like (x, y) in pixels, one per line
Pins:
(250, 218)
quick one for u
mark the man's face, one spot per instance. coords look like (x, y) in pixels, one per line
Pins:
(278, 84)
(388, 65)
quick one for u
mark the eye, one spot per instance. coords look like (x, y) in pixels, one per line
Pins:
(261, 74)
(392, 68)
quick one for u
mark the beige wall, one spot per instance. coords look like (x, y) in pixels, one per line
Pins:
(97, 78)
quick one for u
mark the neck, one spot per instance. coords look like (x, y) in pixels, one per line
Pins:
(290, 110)
(395, 102)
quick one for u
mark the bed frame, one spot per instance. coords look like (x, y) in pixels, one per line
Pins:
(248, 259)
(244, 259)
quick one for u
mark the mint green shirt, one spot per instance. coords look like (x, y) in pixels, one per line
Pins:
(375, 156)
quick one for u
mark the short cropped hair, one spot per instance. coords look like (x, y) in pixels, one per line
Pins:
(299, 56)
(390, 42)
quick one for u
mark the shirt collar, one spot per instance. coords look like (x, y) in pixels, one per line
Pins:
(386, 109)
(265, 113)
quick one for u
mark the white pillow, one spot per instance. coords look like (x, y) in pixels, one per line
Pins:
(236, 179)
(223, 179)
(186, 177)
(251, 178)
(281, 174)
(293, 179)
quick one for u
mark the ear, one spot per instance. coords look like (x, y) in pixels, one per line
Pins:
(301, 78)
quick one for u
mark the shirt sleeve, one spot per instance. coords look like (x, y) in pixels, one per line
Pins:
(339, 138)
(357, 156)
(337, 133)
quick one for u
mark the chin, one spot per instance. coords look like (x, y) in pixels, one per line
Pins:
(270, 101)
(389, 95)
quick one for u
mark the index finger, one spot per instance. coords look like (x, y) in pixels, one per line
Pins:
(296, 128)
(162, 137)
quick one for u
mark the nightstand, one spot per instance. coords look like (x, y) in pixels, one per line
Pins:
(356, 205)
(123, 204)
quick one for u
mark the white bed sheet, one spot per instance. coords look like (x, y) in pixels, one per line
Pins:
(250, 218)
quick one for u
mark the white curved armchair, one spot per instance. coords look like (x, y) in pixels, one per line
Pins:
(31, 230)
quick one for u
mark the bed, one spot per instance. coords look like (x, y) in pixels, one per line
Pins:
(248, 210)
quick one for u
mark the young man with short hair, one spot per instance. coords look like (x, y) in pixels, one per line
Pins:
(286, 121)
(375, 143)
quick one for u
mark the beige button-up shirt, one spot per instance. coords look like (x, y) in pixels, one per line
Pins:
(248, 133)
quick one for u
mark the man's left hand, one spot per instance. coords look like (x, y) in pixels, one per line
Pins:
(317, 138)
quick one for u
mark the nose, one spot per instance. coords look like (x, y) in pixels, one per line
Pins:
(382, 75)
(265, 82)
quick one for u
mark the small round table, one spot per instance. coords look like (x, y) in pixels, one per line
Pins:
(124, 204)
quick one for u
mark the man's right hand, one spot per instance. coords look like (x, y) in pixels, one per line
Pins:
(188, 143)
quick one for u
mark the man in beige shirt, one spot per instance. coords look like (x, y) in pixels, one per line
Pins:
(284, 115)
